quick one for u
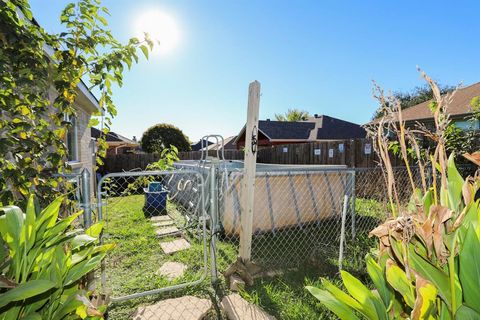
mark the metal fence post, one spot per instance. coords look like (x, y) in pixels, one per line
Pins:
(86, 198)
(213, 217)
(342, 232)
(352, 201)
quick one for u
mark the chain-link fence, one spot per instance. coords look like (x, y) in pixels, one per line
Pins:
(159, 233)
(176, 232)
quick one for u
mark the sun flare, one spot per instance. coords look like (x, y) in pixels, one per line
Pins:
(161, 28)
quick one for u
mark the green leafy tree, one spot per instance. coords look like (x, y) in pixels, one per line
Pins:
(40, 73)
(293, 115)
(160, 136)
(413, 97)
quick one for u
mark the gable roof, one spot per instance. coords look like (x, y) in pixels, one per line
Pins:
(197, 146)
(460, 104)
(315, 128)
(286, 130)
(113, 137)
(333, 128)
(228, 143)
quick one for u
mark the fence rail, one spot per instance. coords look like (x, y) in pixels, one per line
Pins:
(353, 153)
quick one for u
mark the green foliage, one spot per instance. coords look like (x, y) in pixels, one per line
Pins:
(44, 264)
(428, 261)
(158, 137)
(416, 96)
(168, 157)
(41, 74)
(292, 115)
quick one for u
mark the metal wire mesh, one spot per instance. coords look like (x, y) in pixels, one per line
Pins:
(158, 225)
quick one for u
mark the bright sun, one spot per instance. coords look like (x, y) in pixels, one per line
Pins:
(161, 27)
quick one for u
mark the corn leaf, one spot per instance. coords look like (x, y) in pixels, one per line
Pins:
(328, 300)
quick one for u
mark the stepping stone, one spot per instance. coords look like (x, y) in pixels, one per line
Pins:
(185, 308)
(174, 246)
(171, 270)
(160, 218)
(163, 223)
(166, 231)
(237, 308)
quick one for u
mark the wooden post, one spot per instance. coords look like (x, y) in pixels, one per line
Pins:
(249, 170)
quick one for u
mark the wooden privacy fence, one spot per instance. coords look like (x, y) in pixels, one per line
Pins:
(353, 153)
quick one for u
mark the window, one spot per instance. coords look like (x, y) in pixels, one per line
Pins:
(72, 139)
(467, 124)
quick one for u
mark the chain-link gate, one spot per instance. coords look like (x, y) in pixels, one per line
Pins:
(159, 227)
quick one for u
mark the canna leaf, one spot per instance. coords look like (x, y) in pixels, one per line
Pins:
(425, 301)
(466, 313)
(371, 304)
(470, 269)
(377, 274)
(431, 273)
(328, 300)
(397, 278)
(454, 184)
(25, 290)
(95, 229)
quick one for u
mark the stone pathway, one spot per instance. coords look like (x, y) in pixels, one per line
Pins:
(163, 223)
(171, 270)
(161, 218)
(168, 231)
(185, 308)
(174, 246)
(237, 308)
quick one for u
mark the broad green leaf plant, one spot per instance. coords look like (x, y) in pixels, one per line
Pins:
(40, 73)
(427, 265)
(44, 262)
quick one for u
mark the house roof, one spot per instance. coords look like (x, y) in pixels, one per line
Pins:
(228, 143)
(315, 128)
(460, 104)
(333, 128)
(286, 130)
(113, 138)
(197, 146)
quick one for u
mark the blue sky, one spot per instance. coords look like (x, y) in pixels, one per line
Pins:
(320, 56)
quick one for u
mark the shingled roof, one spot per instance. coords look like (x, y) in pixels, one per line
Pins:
(286, 130)
(112, 137)
(460, 105)
(315, 128)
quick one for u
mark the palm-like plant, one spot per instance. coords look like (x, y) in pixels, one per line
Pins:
(428, 260)
(293, 115)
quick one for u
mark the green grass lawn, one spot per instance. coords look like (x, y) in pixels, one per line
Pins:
(131, 267)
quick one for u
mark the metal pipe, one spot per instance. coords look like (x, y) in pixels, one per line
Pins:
(342, 232)
(214, 220)
(86, 201)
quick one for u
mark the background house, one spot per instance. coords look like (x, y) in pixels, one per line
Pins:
(317, 128)
(198, 146)
(117, 144)
(228, 144)
(459, 109)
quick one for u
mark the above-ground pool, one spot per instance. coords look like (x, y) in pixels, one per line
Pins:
(285, 195)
